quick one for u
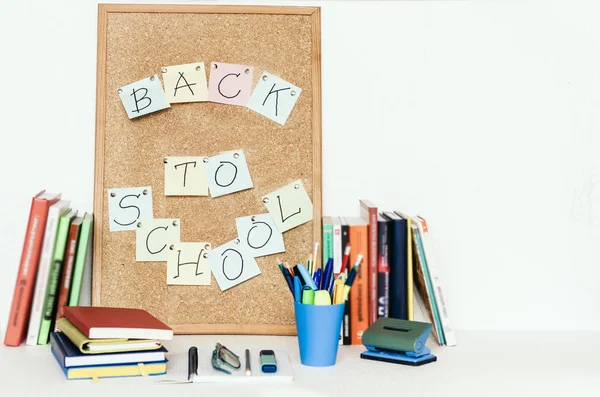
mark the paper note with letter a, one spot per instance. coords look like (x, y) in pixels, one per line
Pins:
(289, 206)
(143, 97)
(185, 83)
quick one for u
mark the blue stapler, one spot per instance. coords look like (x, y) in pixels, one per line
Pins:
(398, 341)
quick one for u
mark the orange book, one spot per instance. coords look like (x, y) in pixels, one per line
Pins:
(359, 294)
(65, 281)
(21, 304)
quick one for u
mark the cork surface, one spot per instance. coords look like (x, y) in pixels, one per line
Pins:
(137, 46)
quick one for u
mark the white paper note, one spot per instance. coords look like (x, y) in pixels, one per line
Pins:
(260, 234)
(232, 264)
(187, 264)
(185, 83)
(143, 97)
(227, 173)
(184, 176)
(274, 97)
(289, 206)
(128, 205)
(154, 237)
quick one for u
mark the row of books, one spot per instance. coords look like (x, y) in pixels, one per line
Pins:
(55, 269)
(99, 342)
(398, 258)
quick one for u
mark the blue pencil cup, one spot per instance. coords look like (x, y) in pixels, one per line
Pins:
(318, 329)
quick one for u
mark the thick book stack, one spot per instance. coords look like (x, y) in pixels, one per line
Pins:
(398, 258)
(55, 269)
(100, 342)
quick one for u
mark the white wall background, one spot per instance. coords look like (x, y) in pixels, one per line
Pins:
(480, 115)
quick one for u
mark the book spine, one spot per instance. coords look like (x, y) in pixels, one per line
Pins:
(65, 282)
(327, 241)
(373, 271)
(359, 294)
(383, 271)
(409, 273)
(80, 262)
(337, 248)
(41, 282)
(76, 323)
(346, 326)
(24, 286)
(85, 294)
(398, 271)
(54, 279)
(448, 331)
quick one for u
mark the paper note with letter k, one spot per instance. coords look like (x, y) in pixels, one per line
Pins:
(289, 206)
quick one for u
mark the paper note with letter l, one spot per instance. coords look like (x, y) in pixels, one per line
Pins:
(232, 264)
(289, 206)
(187, 264)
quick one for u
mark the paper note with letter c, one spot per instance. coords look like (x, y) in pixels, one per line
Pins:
(154, 237)
(289, 206)
(229, 83)
(232, 264)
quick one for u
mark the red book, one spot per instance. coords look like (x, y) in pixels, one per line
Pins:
(368, 212)
(117, 323)
(25, 285)
(359, 294)
(65, 282)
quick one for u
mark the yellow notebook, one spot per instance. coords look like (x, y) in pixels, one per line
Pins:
(97, 346)
(112, 371)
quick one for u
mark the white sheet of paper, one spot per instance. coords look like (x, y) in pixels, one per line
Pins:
(143, 97)
(187, 265)
(227, 173)
(184, 176)
(185, 83)
(260, 234)
(232, 263)
(289, 206)
(274, 97)
(153, 238)
(128, 205)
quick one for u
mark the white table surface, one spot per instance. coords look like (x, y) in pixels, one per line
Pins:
(484, 364)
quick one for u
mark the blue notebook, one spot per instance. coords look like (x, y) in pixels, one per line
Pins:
(70, 356)
(398, 240)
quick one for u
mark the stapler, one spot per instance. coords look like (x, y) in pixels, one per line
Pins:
(398, 341)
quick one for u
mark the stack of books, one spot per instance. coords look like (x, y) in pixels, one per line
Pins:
(398, 258)
(100, 342)
(55, 269)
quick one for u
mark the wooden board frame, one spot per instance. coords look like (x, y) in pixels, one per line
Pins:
(99, 170)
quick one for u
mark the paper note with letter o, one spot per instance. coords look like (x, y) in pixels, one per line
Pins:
(187, 264)
(289, 206)
(227, 173)
(232, 264)
(274, 97)
(154, 237)
(260, 234)
(143, 97)
(128, 205)
(230, 83)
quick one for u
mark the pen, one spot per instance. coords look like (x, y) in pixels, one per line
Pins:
(327, 273)
(318, 277)
(297, 289)
(352, 276)
(346, 258)
(308, 280)
(287, 277)
(248, 370)
(192, 363)
(315, 255)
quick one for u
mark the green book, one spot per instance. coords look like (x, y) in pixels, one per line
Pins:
(84, 249)
(58, 257)
(327, 240)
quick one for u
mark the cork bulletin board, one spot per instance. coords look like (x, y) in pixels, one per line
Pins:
(134, 42)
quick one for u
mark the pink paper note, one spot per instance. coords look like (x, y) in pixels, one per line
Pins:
(230, 83)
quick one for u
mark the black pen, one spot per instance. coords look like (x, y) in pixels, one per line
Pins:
(248, 370)
(192, 363)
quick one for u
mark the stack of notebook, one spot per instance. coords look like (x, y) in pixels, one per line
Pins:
(99, 342)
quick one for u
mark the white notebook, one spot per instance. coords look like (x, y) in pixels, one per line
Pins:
(177, 368)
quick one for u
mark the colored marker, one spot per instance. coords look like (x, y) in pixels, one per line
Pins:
(308, 296)
(322, 298)
(287, 277)
(297, 289)
(352, 276)
(346, 258)
(318, 277)
(327, 273)
(308, 280)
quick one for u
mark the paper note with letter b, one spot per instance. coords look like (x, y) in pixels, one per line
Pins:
(184, 176)
(274, 97)
(187, 264)
(143, 97)
(154, 237)
(232, 264)
(260, 234)
(289, 206)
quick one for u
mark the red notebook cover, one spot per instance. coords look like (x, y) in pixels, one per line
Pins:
(30, 256)
(114, 322)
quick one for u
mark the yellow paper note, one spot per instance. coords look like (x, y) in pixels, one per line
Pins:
(184, 176)
(187, 264)
(289, 206)
(185, 83)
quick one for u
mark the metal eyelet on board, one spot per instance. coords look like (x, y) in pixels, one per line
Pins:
(293, 93)
(206, 246)
(113, 194)
(198, 68)
(253, 218)
(164, 70)
(139, 224)
(265, 200)
(247, 71)
(296, 186)
(145, 192)
(236, 241)
(151, 78)
(205, 255)
(171, 247)
(166, 160)
(265, 78)
(119, 91)
(205, 160)
(236, 155)
(215, 66)
(175, 223)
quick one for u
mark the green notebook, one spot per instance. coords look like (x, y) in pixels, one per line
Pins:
(83, 246)
(58, 257)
